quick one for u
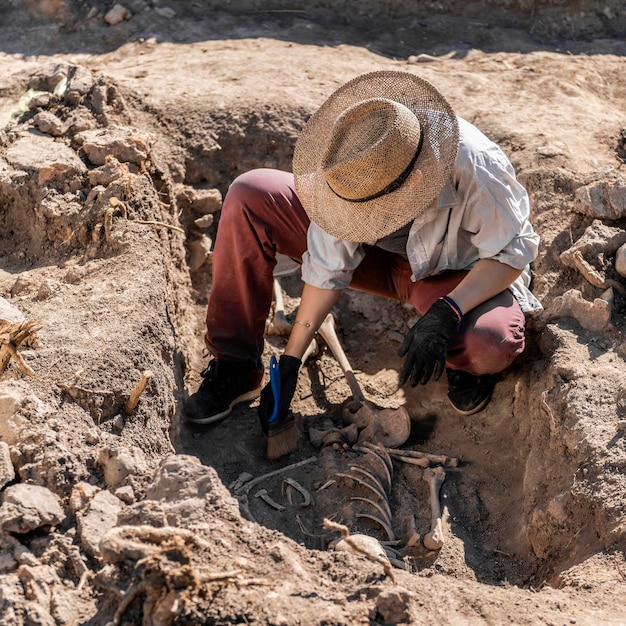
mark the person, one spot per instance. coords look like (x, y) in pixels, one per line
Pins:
(392, 194)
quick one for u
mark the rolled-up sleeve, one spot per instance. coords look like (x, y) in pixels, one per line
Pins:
(497, 211)
(329, 262)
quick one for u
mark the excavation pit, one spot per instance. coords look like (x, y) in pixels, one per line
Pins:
(99, 251)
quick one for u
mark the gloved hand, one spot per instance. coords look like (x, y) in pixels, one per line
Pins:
(288, 367)
(426, 344)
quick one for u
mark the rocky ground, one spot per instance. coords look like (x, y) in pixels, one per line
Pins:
(119, 134)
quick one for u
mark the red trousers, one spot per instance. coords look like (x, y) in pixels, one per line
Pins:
(262, 215)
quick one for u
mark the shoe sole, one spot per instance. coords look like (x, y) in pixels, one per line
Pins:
(250, 395)
(477, 409)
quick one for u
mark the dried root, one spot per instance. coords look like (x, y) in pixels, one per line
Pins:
(12, 336)
(364, 545)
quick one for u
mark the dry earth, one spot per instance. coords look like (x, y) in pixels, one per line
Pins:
(110, 191)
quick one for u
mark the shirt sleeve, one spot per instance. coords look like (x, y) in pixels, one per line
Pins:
(329, 262)
(496, 218)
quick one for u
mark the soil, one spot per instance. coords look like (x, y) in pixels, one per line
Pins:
(110, 191)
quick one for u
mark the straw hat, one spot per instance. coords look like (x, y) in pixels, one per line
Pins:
(375, 155)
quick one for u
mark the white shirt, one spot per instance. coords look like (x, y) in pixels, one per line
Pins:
(481, 213)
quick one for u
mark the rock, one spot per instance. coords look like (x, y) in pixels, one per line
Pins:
(199, 252)
(620, 261)
(189, 489)
(107, 173)
(7, 471)
(119, 463)
(594, 316)
(126, 144)
(117, 15)
(126, 494)
(393, 606)
(49, 159)
(604, 199)
(28, 507)
(7, 560)
(49, 123)
(97, 519)
(12, 422)
(10, 313)
(203, 201)
(81, 496)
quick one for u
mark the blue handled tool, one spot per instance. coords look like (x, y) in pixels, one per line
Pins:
(275, 385)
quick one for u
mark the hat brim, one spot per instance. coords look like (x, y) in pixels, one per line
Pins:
(370, 220)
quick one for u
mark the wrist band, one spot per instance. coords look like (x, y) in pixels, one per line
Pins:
(303, 323)
(455, 307)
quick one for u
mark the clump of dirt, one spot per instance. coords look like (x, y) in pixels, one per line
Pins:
(115, 511)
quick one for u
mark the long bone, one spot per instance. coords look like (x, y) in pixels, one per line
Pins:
(279, 325)
(390, 427)
(434, 476)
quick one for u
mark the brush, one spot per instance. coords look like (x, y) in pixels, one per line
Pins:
(281, 433)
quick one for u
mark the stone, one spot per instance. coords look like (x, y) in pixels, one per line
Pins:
(7, 471)
(12, 422)
(594, 316)
(49, 123)
(603, 199)
(10, 313)
(126, 144)
(117, 15)
(97, 519)
(620, 261)
(119, 463)
(184, 478)
(49, 159)
(28, 507)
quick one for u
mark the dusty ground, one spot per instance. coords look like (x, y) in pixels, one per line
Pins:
(101, 187)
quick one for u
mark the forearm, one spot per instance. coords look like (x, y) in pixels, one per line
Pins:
(486, 279)
(315, 304)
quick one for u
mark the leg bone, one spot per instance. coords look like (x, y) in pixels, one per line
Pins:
(434, 476)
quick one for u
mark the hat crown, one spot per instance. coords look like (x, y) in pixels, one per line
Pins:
(372, 145)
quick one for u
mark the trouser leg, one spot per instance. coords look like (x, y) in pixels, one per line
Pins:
(261, 216)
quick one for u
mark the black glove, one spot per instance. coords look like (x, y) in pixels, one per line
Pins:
(288, 367)
(426, 344)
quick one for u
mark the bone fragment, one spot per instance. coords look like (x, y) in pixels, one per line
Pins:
(592, 275)
(375, 504)
(262, 493)
(279, 325)
(382, 523)
(242, 479)
(372, 477)
(370, 453)
(312, 350)
(382, 452)
(434, 476)
(435, 459)
(252, 483)
(289, 484)
(133, 400)
(420, 462)
(364, 483)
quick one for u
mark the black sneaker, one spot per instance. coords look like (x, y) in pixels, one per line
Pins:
(468, 393)
(225, 384)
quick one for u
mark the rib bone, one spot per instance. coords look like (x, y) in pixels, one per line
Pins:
(434, 476)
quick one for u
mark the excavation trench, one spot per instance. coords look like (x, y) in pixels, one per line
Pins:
(102, 232)
(489, 500)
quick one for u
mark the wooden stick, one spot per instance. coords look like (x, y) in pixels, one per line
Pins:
(133, 400)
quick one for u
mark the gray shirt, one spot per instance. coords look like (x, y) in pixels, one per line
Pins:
(481, 213)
